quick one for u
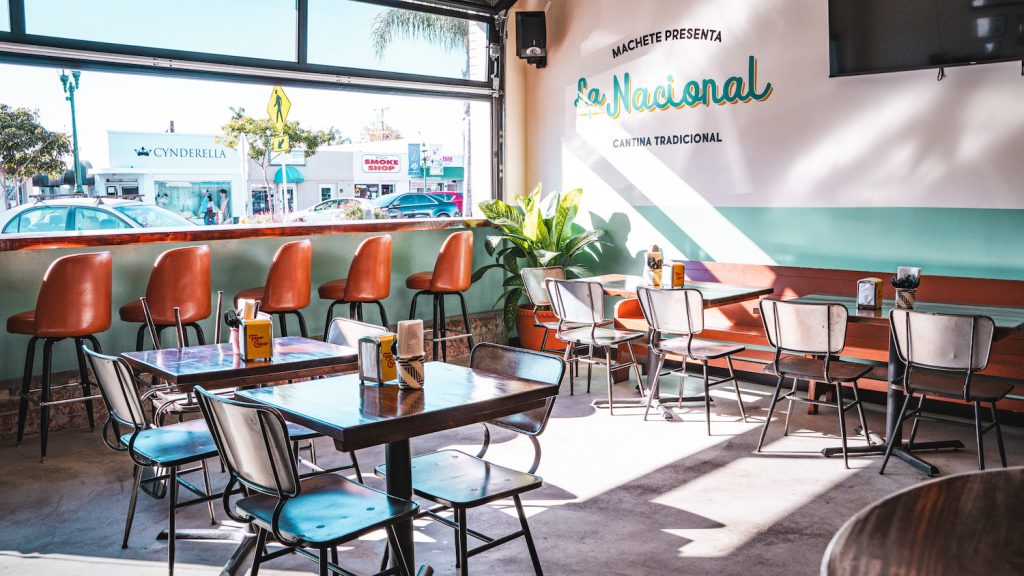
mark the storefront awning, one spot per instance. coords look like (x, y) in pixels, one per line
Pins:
(294, 176)
(450, 173)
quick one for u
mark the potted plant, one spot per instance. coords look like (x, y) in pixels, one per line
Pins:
(535, 232)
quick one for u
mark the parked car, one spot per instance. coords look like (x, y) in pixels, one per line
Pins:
(327, 211)
(455, 197)
(416, 205)
(79, 214)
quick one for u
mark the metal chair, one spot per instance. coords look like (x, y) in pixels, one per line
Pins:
(321, 512)
(455, 480)
(537, 293)
(942, 353)
(807, 339)
(167, 448)
(681, 313)
(579, 306)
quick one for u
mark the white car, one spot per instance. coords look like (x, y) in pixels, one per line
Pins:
(327, 211)
(77, 214)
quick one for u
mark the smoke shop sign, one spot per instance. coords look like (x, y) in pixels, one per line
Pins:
(380, 164)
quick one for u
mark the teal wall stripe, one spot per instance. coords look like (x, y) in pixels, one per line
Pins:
(978, 243)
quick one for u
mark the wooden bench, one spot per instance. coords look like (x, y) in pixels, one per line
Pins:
(869, 343)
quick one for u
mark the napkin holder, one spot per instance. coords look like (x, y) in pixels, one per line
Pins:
(256, 338)
(410, 373)
(869, 294)
(376, 355)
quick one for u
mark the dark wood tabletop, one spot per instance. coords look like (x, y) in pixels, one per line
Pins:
(1008, 320)
(715, 294)
(359, 416)
(964, 524)
(214, 365)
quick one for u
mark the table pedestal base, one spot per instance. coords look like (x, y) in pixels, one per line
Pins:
(878, 447)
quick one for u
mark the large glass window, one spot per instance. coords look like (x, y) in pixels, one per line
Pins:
(252, 28)
(5, 17)
(201, 149)
(372, 37)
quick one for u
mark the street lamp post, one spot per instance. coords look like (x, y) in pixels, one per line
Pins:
(70, 86)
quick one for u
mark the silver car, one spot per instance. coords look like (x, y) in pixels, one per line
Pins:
(79, 214)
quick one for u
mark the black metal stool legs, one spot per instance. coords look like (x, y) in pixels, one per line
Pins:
(83, 376)
(330, 317)
(26, 385)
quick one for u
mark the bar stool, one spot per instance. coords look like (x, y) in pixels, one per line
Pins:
(681, 313)
(288, 285)
(452, 274)
(73, 302)
(368, 281)
(180, 277)
(942, 352)
(798, 330)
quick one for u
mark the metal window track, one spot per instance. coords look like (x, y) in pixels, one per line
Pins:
(114, 60)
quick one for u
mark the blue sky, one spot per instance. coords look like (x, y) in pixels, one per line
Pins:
(109, 101)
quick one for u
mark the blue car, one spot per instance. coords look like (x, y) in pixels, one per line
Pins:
(416, 205)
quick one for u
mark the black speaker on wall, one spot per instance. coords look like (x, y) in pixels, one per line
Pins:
(532, 38)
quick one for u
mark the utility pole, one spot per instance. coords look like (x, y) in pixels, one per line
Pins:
(70, 87)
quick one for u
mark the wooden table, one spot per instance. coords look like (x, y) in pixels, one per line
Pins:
(214, 366)
(359, 416)
(714, 294)
(1008, 321)
(963, 524)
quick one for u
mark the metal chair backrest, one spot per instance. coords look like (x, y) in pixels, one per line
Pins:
(576, 301)
(804, 328)
(527, 365)
(676, 312)
(947, 342)
(346, 332)
(253, 440)
(117, 386)
(534, 280)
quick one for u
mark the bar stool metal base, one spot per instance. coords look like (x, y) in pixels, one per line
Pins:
(439, 329)
(45, 390)
(355, 312)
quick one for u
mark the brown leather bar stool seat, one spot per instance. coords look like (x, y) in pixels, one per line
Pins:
(180, 278)
(73, 302)
(288, 284)
(368, 281)
(452, 275)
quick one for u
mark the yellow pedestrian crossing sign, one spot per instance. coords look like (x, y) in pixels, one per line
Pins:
(281, 144)
(278, 108)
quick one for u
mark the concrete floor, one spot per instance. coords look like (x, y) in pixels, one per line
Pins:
(621, 496)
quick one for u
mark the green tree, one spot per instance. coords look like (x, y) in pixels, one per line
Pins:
(444, 31)
(258, 135)
(27, 148)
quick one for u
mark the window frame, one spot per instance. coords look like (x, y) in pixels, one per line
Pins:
(19, 47)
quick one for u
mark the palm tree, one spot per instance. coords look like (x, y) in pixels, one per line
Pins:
(444, 31)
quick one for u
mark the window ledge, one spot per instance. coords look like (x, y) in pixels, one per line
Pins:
(14, 242)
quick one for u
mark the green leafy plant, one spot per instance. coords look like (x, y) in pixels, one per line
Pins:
(535, 232)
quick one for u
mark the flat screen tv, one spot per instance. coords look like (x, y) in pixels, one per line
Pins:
(872, 36)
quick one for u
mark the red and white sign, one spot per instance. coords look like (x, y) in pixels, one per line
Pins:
(378, 164)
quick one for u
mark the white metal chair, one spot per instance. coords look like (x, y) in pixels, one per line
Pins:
(681, 313)
(319, 513)
(942, 353)
(807, 339)
(455, 480)
(167, 448)
(579, 306)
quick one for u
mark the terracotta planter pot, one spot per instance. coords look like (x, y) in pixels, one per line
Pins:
(531, 336)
